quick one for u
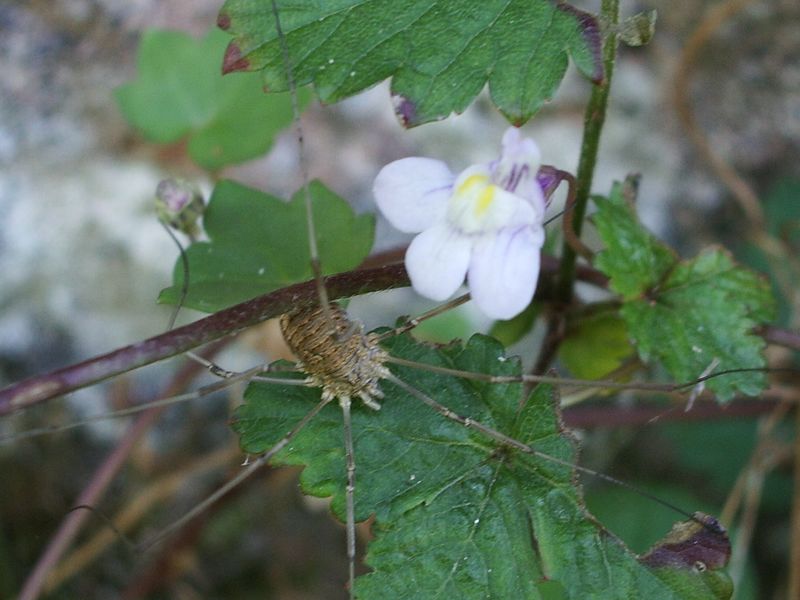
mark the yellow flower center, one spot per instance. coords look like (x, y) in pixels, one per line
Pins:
(476, 205)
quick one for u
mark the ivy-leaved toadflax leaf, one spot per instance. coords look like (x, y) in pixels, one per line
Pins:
(439, 53)
(456, 514)
(685, 314)
(180, 93)
(258, 243)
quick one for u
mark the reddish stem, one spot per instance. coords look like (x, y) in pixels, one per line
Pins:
(98, 484)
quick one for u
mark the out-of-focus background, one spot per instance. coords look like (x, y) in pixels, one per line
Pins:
(82, 259)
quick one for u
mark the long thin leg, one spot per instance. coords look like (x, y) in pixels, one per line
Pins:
(350, 493)
(516, 444)
(250, 374)
(414, 321)
(594, 383)
(313, 250)
(244, 474)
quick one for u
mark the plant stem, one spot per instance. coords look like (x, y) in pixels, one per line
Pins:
(593, 126)
(177, 341)
(226, 322)
(91, 495)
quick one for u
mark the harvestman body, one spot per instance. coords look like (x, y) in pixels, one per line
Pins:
(336, 354)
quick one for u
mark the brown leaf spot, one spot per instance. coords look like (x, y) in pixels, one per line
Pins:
(224, 21)
(405, 109)
(234, 61)
(690, 544)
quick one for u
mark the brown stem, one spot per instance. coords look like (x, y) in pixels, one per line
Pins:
(225, 322)
(618, 416)
(571, 236)
(780, 337)
(96, 487)
(236, 318)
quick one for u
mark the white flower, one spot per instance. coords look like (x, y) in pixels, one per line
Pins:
(485, 223)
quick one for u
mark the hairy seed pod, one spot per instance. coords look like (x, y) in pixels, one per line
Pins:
(335, 352)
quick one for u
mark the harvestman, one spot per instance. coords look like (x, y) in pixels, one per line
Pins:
(348, 364)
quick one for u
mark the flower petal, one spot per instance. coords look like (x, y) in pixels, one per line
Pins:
(412, 192)
(437, 261)
(479, 206)
(516, 170)
(518, 149)
(504, 270)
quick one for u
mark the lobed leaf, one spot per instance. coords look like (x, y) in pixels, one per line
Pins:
(685, 314)
(439, 53)
(181, 93)
(258, 243)
(457, 516)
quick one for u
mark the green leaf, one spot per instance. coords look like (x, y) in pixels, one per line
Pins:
(685, 314)
(512, 330)
(456, 515)
(180, 92)
(258, 243)
(439, 53)
(635, 259)
(595, 346)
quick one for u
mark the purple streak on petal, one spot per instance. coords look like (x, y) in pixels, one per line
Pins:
(438, 189)
(549, 178)
(517, 174)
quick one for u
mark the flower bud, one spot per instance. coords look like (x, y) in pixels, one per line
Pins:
(179, 204)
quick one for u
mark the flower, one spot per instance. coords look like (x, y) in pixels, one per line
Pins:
(485, 223)
(179, 204)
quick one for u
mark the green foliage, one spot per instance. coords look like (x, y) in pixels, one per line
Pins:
(456, 516)
(782, 215)
(511, 331)
(440, 54)
(686, 314)
(258, 243)
(634, 518)
(728, 445)
(596, 346)
(180, 92)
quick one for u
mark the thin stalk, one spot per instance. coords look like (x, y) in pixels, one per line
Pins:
(226, 322)
(593, 121)
(96, 488)
(311, 230)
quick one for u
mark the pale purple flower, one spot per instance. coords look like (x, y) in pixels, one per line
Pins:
(485, 224)
(180, 205)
